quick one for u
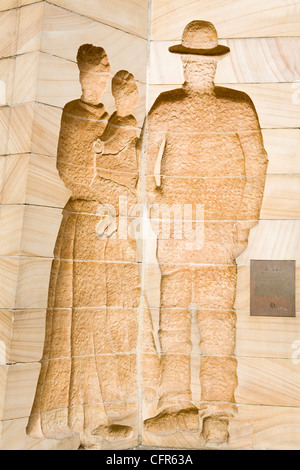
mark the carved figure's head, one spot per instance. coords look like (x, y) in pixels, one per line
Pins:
(200, 52)
(125, 92)
(94, 71)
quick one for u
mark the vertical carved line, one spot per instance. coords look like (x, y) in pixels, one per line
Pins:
(143, 153)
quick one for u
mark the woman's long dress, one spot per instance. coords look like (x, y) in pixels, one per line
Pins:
(87, 376)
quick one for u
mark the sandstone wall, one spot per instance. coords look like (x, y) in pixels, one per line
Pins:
(38, 76)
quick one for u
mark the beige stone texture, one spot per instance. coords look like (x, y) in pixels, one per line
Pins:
(8, 4)
(28, 230)
(30, 27)
(64, 31)
(26, 280)
(280, 96)
(53, 88)
(281, 198)
(9, 30)
(6, 318)
(273, 239)
(28, 126)
(133, 19)
(27, 2)
(5, 113)
(282, 146)
(278, 391)
(20, 129)
(27, 336)
(45, 131)
(3, 381)
(7, 70)
(247, 19)
(38, 181)
(272, 427)
(251, 60)
(20, 385)
(272, 339)
(25, 78)
(2, 173)
(14, 437)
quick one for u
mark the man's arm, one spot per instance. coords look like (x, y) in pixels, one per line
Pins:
(255, 169)
(256, 162)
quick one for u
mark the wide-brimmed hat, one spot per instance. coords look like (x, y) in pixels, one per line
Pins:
(200, 38)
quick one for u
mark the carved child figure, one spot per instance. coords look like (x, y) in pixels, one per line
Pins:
(116, 162)
(116, 149)
(204, 146)
(80, 356)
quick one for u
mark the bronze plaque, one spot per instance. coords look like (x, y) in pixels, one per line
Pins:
(272, 288)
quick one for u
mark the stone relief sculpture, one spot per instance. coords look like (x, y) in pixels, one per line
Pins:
(204, 146)
(116, 156)
(87, 383)
(204, 149)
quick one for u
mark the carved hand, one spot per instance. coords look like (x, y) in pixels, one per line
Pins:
(98, 146)
(106, 228)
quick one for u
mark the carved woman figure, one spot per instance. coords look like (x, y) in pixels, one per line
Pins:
(80, 355)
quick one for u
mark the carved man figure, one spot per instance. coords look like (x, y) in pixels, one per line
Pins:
(204, 146)
(84, 363)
